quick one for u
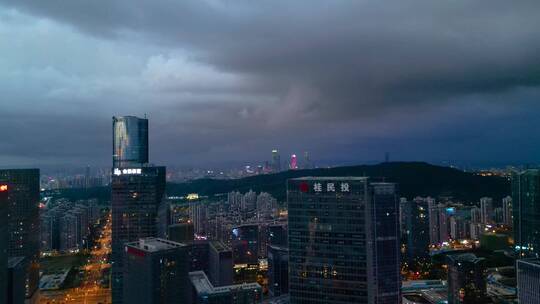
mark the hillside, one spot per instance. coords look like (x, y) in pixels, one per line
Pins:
(414, 179)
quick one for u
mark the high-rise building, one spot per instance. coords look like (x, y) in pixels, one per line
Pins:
(4, 239)
(439, 222)
(16, 281)
(205, 292)
(507, 210)
(156, 271)
(137, 191)
(526, 212)
(417, 228)
(476, 216)
(528, 281)
(220, 264)
(181, 232)
(135, 202)
(245, 244)
(130, 141)
(307, 164)
(293, 165)
(466, 279)
(278, 270)
(23, 223)
(343, 241)
(276, 161)
(486, 210)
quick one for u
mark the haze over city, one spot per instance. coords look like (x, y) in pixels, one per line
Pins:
(227, 81)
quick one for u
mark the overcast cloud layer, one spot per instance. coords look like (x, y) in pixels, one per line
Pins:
(227, 81)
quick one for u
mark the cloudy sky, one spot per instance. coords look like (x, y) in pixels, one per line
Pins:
(227, 81)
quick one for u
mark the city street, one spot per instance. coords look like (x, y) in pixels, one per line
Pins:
(91, 290)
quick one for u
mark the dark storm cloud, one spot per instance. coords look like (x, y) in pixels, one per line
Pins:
(271, 72)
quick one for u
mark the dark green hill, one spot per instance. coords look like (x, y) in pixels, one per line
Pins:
(414, 179)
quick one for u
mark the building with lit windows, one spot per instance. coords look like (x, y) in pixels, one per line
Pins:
(137, 191)
(3, 242)
(135, 202)
(416, 213)
(206, 293)
(23, 223)
(526, 212)
(466, 279)
(343, 241)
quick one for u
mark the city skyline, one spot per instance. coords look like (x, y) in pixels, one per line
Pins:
(225, 82)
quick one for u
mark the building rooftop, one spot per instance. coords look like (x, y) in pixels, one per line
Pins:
(219, 246)
(203, 286)
(535, 262)
(14, 261)
(154, 244)
(465, 257)
(338, 178)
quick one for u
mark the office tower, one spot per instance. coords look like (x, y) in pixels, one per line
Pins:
(276, 161)
(137, 191)
(293, 165)
(528, 281)
(156, 271)
(130, 141)
(278, 270)
(466, 279)
(343, 241)
(135, 202)
(205, 293)
(245, 244)
(526, 212)
(23, 223)
(417, 228)
(507, 210)
(4, 239)
(486, 210)
(181, 233)
(16, 280)
(220, 264)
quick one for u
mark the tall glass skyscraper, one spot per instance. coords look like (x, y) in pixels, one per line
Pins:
(130, 141)
(23, 222)
(343, 241)
(137, 191)
(526, 210)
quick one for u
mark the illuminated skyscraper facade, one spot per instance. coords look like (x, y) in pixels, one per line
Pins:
(293, 165)
(343, 241)
(137, 191)
(130, 141)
